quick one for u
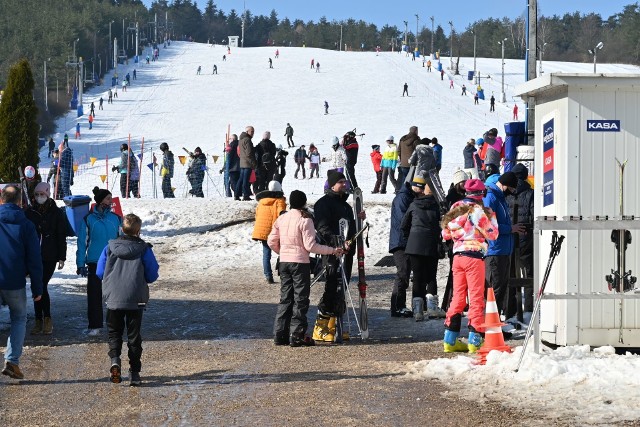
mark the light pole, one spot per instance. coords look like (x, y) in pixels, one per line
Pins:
(75, 60)
(406, 23)
(474, 52)
(503, 97)
(541, 54)
(594, 52)
(432, 35)
(110, 41)
(451, 49)
(417, 20)
(46, 104)
(340, 47)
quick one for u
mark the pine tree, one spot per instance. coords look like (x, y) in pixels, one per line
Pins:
(18, 123)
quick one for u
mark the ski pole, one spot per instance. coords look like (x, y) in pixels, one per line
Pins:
(556, 244)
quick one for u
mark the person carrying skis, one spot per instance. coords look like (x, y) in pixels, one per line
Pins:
(376, 160)
(271, 204)
(293, 237)
(328, 211)
(300, 157)
(166, 171)
(421, 227)
(469, 225)
(288, 132)
(195, 172)
(422, 160)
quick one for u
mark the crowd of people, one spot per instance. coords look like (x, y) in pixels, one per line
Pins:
(487, 218)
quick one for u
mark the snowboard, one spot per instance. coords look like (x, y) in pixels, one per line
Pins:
(362, 279)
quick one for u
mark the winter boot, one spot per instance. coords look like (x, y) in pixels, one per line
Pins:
(418, 309)
(37, 328)
(301, 340)
(116, 373)
(475, 342)
(433, 307)
(452, 344)
(134, 379)
(321, 330)
(47, 327)
(332, 329)
(403, 312)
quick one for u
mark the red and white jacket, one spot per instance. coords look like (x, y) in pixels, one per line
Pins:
(469, 225)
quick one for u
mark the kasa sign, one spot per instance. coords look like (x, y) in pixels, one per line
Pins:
(603, 125)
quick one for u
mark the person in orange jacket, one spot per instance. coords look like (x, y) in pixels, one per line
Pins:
(376, 159)
(90, 121)
(271, 203)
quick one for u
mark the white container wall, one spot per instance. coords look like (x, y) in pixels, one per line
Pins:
(584, 122)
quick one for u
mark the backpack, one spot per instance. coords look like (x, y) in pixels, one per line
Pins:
(267, 160)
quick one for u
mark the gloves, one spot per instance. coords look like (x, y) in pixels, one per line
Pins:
(114, 169)
(82, 271)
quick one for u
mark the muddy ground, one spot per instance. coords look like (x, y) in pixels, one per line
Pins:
(209, 360)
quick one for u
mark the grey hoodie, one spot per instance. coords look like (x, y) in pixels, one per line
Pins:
(123, 284)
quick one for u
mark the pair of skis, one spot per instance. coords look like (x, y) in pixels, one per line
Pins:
(361, 315)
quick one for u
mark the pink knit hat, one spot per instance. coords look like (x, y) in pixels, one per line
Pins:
(474, 189)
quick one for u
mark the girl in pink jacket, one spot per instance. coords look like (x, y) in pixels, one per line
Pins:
(469, 224)
(293, 237)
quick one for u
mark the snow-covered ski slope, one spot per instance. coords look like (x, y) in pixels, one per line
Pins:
(170, 103)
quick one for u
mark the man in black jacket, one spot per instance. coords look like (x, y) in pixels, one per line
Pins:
(281, 163)
(328, 211)
(266, 151)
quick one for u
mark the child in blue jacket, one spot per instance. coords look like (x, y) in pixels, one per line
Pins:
(126, 266)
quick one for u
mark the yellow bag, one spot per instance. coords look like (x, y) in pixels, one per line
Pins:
(164, 171)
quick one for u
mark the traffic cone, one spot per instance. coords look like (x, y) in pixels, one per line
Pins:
(493, 339)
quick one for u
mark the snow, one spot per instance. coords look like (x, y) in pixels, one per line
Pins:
(170, 103)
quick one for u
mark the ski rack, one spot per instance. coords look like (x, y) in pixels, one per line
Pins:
(578, 223)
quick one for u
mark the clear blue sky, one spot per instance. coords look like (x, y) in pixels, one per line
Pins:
(381, 12)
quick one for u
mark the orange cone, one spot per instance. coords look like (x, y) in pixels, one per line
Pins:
(493, 339)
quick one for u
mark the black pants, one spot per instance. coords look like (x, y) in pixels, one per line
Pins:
(351, 175)
(116, 322)
(424, 270)
(497, 275)
(133, 186)
(196, 186)
(290, 141)
(167, 192)
(42, 308)
(401, 283)
(291, 317)
(94, 297)
(300, 167)
(376, 187)
(331, 302)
